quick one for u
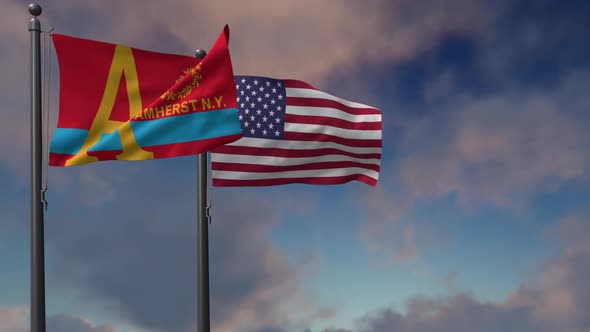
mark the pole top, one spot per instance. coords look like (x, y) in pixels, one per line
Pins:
(200, 54)
(35, 9)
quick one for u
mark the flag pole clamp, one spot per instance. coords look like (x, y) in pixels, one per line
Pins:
(208, 214)
(43, 200)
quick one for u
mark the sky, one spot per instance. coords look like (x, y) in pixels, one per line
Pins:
(480, 220)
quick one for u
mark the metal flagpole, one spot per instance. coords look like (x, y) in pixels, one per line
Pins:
(203, 323)
(37, 236)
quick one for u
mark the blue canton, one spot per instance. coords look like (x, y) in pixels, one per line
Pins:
(261, 106)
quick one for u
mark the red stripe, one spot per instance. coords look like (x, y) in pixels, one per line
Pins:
(189, 148)
(333, 122)
(275, 182)
(287, 153)
(304, 167)
(367, 143)
(160, 151)
(58, 159)
(298, 85)
(317, 102)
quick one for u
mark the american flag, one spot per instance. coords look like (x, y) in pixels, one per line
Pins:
(294, 133)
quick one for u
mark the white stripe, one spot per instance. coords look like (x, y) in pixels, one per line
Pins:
(298, 145)
(333, 131)
(230, 175)
(283, 161)
(332, 113)
(309, 93)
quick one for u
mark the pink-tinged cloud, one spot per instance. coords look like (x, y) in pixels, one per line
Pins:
(499, 150)
(557, 299)
(69, 323)
(16, 319)
(13, 319)
(306, 40)
(391, 231)
(14, 88)
(460, 313)
(561, 296)
(129, 263)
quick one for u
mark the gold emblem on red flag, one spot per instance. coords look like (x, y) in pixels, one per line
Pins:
(187, 89)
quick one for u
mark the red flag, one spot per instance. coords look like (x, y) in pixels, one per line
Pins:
(123, 103)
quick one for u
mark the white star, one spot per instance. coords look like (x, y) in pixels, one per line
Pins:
(247, 98)
(237, 87)
(258, 112)
(242, 105)
(259, 99)
(272, 113)
(255, 82)
(273, 101)
(264, 132)
(274, 90)
(279, 84)
(247, 111)
(261, 89)
(267, 95)
(264, 118)
(248, 87)
(246, 124)
(254, 93)
(279, 108)
(276, 133)
(241, 117)
(252, 131)
(242, 92)
(252, 105)
(243, 80)
(267, 83)
(278, 120)
(252, 118)
(258, 125)
(271, 126)
(265, 106)
(280, 97)
(238, 99)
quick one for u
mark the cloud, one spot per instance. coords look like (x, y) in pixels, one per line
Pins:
(307, 40)
(95, 184)
(524, 45)
(391, 230)
(253, 278)
(135, 259)
(499, 151)
(459, 313)
(272, 38)
(557, 299)
(325, 32)
(68, 323)
(483, 130)
(13, 319)
(16, 319)
(572, 229)
(495, 150)
(560, 298)
(14, 88)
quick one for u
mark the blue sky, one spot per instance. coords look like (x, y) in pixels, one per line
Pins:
(479, 220)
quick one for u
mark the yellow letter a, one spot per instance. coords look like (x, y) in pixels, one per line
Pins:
(123, 62)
